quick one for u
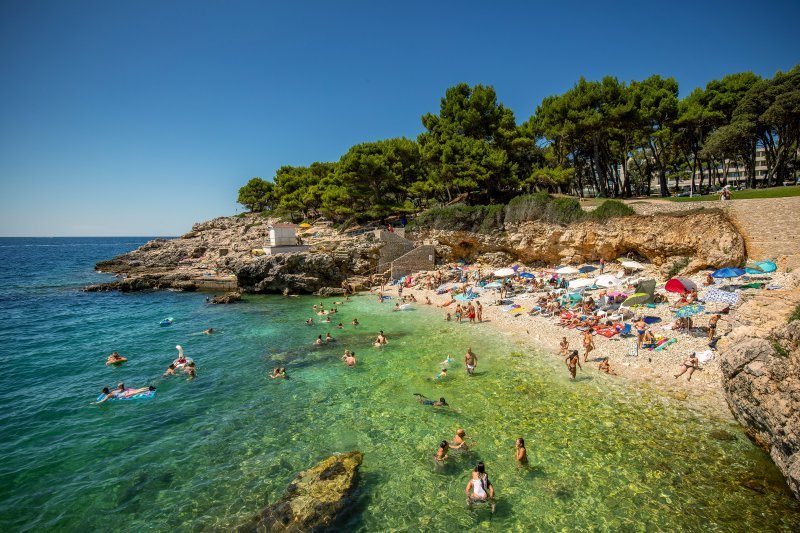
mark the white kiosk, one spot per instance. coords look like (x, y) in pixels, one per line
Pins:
(283, 240)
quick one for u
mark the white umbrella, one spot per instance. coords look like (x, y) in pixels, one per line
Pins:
(567, 270)
(607, 281)
(581, 282)
(632, 265)
(504, 272)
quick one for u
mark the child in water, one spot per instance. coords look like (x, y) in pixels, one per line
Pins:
(442, 374)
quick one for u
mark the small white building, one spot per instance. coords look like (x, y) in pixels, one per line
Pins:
(283, 240)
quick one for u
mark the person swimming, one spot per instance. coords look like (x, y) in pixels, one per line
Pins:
(354, 322)
(349, 358)
(170, 370)
(441, 453)
(115, 359)
(318, 342)
(425, 401)
(121, 392)
(208, 331)
(460, 440)
(328, 338)
(381, 339)
(442, 374)
(448, 360)
(191, 370)
(310, 322)
(340, 326)
(278, 372)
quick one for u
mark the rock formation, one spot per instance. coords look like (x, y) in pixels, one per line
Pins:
(706, 238)
(314, 499)
(761, 375)
(227, 298)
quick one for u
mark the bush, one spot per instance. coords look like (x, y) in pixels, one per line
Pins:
(461, 217)
(678, 266)
(527, 207)
(611, 209)
(795, 315)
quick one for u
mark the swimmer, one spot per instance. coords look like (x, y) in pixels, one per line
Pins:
(448, 360)
(340, 326)
(278, 373)
(115, 359)
(441, 453)
(120, 392)
(191, 370)
(460, 440)
(170, 370)
(318, 342)
(354, 322)
(425, 401)
(310, 322)
(520, 453)
(328, 338)
(428, 301)
(349, 358)
(381, 339)
(396, 307)
(448, 318)
(442, 374)
(338, 303)
(208, 331)
(327, 320)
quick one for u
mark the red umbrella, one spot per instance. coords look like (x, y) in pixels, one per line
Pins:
(680, 285)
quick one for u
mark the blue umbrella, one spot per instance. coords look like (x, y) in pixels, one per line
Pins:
(586, 269)
(767, 266)
(728, 273)
(527, 275)
(689, 310)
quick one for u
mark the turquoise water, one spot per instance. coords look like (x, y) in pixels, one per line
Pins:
(207, 454)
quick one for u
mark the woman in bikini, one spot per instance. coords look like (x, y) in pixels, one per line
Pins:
(573, 362)
(588, 343)
(689, 364)
(641, 327)
(479, 488)
(441, 453)
(520, 453)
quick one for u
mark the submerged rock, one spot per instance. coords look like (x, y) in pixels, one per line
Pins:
(314, 499)
(227, 298)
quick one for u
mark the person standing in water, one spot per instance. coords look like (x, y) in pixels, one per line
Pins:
(441, 453)
(588, 343)
(573, 362)
(470, 361)
(479, 488)
(520, 453)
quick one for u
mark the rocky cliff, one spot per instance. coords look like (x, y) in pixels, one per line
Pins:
(761, 375)
(706, 238)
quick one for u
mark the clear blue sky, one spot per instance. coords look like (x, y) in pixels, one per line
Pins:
(140, 118)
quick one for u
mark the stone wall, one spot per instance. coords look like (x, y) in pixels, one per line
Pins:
(421, 258)
(394, 247)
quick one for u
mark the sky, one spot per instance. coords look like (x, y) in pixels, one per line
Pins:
(141, 118)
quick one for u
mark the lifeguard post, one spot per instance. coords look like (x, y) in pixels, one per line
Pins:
(283, 240)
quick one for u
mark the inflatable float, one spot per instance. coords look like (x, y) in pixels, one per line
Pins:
(167, 321)
(146, 395)
(181, 361)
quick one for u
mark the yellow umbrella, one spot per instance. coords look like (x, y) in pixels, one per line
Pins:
(305, 225)
(636, 299)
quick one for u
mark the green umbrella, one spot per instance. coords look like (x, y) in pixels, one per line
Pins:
(636, 299)
(689, 310)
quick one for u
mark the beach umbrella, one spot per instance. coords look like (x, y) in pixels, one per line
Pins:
(728, 273)
(527, 275)
(636, 299)
(581, 282)
(493, 285)
(504, 272)
(607, 281)
(567, 270)
(689, 310)
(766, 267)
(632, 265)
(724, 297)
(680, 285)
(304, 225)
(585, 269)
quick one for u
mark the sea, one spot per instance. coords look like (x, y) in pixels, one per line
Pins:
(207, 454)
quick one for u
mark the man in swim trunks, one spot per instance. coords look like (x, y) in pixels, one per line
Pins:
(425, 401)
(122, 393)
(115, 358)
(470, 361)
(460, 440)
(712, 327)
(573, 362)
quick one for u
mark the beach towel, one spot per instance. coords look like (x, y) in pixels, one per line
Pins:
(704, 357)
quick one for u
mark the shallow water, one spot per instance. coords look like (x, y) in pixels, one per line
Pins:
(208, 454)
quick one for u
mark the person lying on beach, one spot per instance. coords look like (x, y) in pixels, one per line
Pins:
(573, 362)
(520, 453)
(689, 364)
(381, 339)
(446, 303)
(441, 453)
(605, 367)
(479, 488)
(115, 359)
(349, 358)
(425, 401)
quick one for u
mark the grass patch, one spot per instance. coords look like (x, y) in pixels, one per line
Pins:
(678, 266)
(795, 315)
(749, 194)
(780, 351)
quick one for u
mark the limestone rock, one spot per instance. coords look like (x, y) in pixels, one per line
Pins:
(314, 499)
(227, 298)
(760, 361)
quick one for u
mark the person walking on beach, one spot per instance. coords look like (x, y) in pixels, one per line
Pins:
(573, 362)
(471, 313)
(588, 343)
(712, 326)
(641, 327)
(689, 364)
(470, 361)
(479, 310)
(602, 265)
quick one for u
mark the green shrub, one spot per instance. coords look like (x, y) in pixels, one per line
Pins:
(527, 207)
(795, 315)
(611, 209)
(564, 211)
(461, 217)
(678, 266)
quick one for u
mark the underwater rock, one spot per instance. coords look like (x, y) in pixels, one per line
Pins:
(314, 499)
